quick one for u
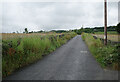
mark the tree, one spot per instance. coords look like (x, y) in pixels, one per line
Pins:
(17, 32)
(31, 32)
(118, 28)
(26, 31)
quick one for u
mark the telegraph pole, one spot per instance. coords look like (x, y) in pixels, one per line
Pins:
(105, 20)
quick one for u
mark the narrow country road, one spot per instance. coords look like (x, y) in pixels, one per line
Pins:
(72, 61)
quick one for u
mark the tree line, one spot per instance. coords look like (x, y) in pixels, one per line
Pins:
(79, 31)
(98, 29)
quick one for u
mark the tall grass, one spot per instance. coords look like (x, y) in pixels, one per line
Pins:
(18, 52)
(108, 56)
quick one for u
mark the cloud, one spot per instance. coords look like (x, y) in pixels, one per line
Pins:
(55, 15)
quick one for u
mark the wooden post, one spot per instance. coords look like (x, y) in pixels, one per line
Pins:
(105, 20)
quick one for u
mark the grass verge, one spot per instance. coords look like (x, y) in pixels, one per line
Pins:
(108, 56)
(19, 52)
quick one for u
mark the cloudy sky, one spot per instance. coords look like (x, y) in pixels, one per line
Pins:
(55, 15)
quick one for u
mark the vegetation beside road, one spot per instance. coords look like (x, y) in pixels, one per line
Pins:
(108, 56)
(21, 51)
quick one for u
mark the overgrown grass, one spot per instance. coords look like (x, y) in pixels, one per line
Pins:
(18, 52)
(108, 56)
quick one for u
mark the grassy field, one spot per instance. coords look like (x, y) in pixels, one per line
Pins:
(20, 35)
(108, 56)
(112, 37)
(19, 50)
(109, 32)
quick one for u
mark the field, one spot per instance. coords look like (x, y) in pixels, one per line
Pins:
(112, 37)
(19, 50)
(108, 56)
(20, 35)
(109, 32)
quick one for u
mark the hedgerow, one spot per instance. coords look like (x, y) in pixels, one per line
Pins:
(19, 52)
(108, 56)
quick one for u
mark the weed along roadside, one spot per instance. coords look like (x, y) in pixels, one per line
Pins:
(107, 56)
(19, 52)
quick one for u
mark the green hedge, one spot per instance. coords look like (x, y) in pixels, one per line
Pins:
(18, 52)
(108, 56)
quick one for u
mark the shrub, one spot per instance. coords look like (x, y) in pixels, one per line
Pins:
(107, 56)
(18, 52)
(118, 28)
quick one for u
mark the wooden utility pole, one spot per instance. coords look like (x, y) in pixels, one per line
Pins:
(105, 28)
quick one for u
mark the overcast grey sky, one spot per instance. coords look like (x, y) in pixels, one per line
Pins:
(55, 15)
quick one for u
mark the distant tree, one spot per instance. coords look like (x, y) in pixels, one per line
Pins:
(17, 32)
(40, 31)
(58, 31)
(13, 32)
(26, 31)
(82, 28)
(118, 28)
(31, 32)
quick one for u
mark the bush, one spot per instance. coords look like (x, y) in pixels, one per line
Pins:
(20, 52)
(107, 56)
(118, 28)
